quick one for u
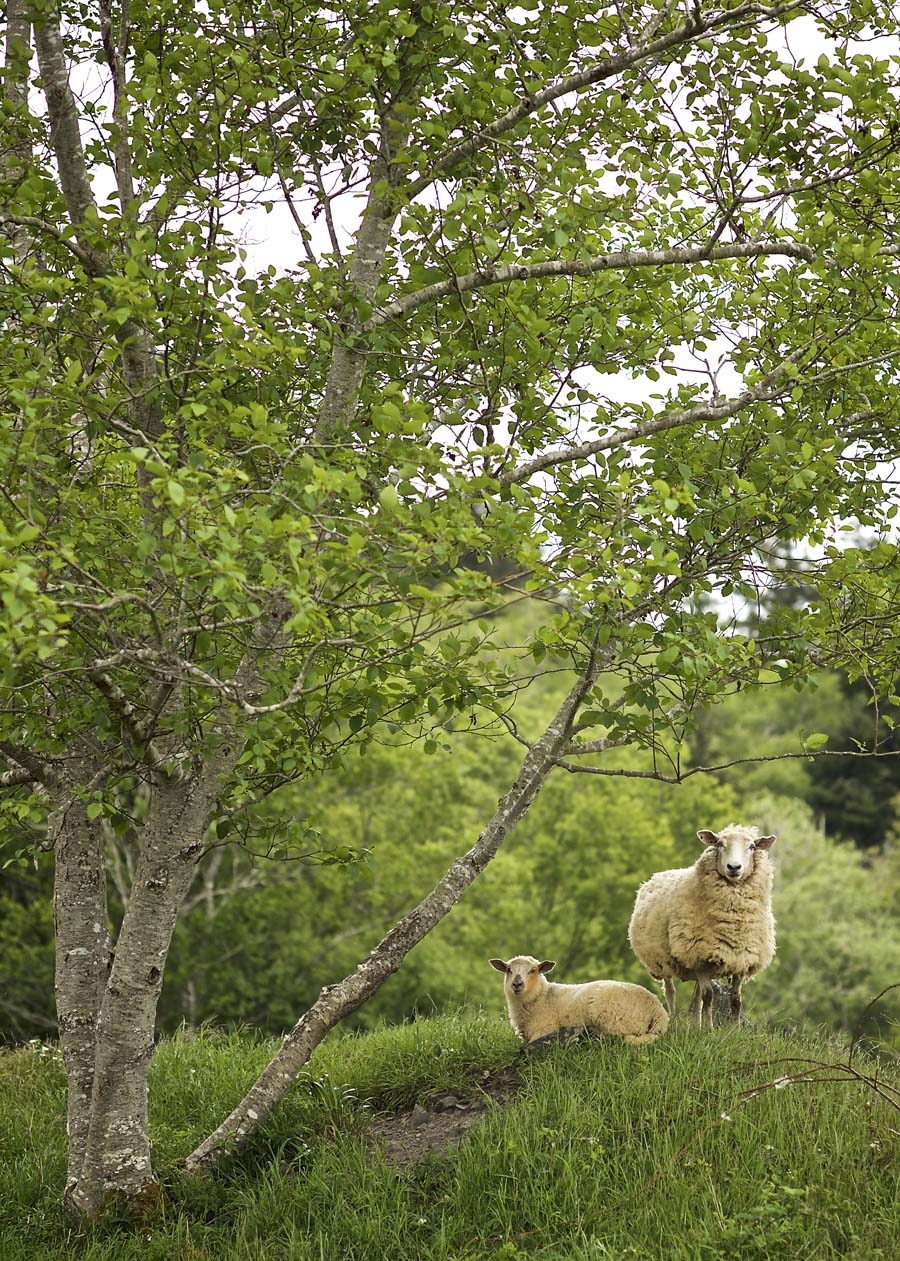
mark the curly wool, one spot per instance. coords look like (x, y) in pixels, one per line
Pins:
(692, 918)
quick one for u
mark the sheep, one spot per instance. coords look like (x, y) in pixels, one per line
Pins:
(539, 1008)
(709, 920)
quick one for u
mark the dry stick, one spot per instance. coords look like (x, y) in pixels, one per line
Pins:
(337, 1001)
(803, 1077)
(862, 1020)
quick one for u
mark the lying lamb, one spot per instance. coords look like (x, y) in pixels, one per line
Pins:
(539, 1008)
(709, 920)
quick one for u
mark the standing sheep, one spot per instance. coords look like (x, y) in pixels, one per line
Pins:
(709, 920)
(538, 1008)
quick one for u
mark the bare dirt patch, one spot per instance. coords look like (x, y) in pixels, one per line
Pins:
(440, 1120)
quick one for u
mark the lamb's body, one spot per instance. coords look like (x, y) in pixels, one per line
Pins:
(542, 1008)
(695, 923)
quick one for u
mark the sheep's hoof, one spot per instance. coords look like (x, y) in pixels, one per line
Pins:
(538, 1045)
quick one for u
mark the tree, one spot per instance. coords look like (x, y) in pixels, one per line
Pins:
(237, 504)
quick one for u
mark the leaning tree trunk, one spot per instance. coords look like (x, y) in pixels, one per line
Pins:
(337, 1001)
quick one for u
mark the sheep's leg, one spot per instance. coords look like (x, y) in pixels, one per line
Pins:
(670, 996)
(709, 996)
(702, 1000)
(736, 1004)
(696, 1008)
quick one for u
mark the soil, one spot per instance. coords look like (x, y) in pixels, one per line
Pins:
(441, 1120)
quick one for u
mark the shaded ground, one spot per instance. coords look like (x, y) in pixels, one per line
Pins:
(439, 1121)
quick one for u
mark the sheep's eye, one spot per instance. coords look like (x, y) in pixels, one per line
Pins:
(752, 848)
(531, 971)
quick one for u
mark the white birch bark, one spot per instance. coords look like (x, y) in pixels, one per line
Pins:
(348, 358)
(112, 1158)
(82, 959)
(117, 1156)
(138, 353)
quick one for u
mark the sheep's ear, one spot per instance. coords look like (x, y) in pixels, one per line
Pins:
(707, 838)
(547, 966)
(499, 965)
(765, 842)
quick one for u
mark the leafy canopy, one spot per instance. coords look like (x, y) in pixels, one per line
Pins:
(275, 505)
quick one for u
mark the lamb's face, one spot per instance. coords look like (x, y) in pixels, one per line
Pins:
(523, 974)
(735, 849)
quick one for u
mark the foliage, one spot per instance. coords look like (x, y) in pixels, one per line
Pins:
(838, 931)
(26, 955)
(152, 535)
(562, 885)
(857, 796)
(618, 1150)
(241, 502)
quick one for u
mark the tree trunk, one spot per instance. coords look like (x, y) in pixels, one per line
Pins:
(337, 1001)
(116, 1158)
(82, 959)
(15, 146)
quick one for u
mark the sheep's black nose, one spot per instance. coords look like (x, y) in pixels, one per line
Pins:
(518, 986)
(734, 869)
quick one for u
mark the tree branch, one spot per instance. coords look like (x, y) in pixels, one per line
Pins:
(37, 769)
(65, 136)
(137, 348)
(18, 775)
(88, 259)
(694, 28)
(622, 260)
(115, 58)
(136, 730)
(619, 772)
(764, 391)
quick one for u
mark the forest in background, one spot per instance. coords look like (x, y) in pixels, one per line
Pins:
(261, 935)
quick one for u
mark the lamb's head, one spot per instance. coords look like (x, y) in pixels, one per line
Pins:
(735, 849)
(524, 974)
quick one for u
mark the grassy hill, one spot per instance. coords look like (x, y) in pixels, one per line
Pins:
(591, 1150)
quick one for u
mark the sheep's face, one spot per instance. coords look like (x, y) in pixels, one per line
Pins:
(523, 974)
(735, 850)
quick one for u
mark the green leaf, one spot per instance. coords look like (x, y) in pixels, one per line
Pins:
(389, 498)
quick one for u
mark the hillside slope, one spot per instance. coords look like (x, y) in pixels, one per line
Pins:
(592, 1150)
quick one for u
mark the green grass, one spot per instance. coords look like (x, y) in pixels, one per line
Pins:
(607, 1152)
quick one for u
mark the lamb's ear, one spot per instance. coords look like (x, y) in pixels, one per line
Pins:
(707, 838)
(765, 842)
(499, 965)
(547, 966)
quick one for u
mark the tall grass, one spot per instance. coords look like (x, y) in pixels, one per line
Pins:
(606, 1152)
